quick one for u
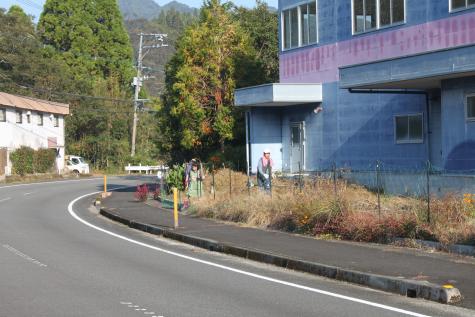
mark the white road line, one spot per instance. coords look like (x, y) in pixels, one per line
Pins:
(26, 194)
(5, 199)
(54, 182)
(23, 255)
(227, 268)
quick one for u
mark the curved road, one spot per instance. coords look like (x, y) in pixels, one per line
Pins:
(60, 261)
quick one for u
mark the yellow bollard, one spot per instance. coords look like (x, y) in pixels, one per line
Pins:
(105, 184)
(175, 207)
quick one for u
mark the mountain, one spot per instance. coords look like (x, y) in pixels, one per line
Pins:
(139, 9)
(149, 9)
(178, 6)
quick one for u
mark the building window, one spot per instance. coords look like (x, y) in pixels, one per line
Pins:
(300, 25)
(3, 115)
(471, 107)
(308, 23)
(291, 28)
(409, 129)
(28, 117)
(40, 118)
(56, 120)
(461, 4)
(373, 14)
(19, 117)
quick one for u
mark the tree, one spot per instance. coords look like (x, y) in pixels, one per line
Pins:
(99, 128)
(90, 36)
(26, 67)
(18, 47)
(262, 26)
(200, 80)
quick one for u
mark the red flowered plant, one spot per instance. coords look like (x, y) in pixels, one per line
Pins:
(141, 194)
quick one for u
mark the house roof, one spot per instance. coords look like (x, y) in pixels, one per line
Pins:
(34, 104)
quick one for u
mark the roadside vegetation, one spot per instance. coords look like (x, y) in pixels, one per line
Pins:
(350, 213)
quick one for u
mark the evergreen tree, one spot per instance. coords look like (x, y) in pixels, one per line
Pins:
(91, 37)
(26, 68)
(262, 26)
(201, 81)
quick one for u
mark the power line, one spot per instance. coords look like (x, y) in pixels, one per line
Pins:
(147, 42)
(23, 86)
(147, 111)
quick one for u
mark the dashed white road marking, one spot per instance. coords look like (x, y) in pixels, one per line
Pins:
(5, 199)
(26, 194)
(54, 182)
(137, 308)
(231, 269)
(24, 256)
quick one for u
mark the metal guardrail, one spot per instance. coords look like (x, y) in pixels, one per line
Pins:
(147, 169)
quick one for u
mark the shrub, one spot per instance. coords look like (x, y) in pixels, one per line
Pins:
(43, 160)
(285, 222)
(352, 214)
(141, 194)
(25, 160)
(22, 160)
(175, 177)
(157, 193)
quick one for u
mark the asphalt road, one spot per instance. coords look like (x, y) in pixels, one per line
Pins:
(58, 257)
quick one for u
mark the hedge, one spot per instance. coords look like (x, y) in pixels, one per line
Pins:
(25, 160)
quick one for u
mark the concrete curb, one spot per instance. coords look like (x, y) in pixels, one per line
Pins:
(405, 287)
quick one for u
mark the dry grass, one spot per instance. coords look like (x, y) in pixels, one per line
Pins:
(352, 213)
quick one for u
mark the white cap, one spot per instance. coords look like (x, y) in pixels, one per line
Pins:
(266, 151)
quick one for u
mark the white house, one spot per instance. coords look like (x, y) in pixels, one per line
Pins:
(26, 121)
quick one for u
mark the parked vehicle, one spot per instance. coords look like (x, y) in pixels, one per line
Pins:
(76, 165)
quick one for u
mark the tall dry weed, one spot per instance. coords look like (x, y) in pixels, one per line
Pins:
(351, 212)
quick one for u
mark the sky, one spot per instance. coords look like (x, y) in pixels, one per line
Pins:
(34, 7)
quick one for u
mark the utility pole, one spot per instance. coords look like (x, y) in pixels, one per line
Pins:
(153, 41)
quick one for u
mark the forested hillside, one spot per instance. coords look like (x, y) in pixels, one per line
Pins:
(170, 22)
(149, 9)
(83, 53)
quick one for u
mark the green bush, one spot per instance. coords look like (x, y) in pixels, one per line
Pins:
(141, 159)
(26, 161)
(43, 160)
(175, 177)
(22, 160)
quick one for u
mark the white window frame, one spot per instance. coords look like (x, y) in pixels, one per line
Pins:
(409, 141)
(4, 112)
(19, 119)
(467, 6)
(378, 18)
(299, 25)
(40, 119)
(56, 121)
(467, 118)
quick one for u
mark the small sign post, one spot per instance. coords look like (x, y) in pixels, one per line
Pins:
(105, 184)
(175, 207)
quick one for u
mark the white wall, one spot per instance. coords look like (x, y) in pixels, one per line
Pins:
(266, 132)
(14, 135)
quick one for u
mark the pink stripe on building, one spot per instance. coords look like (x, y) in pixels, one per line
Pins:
(320, 64)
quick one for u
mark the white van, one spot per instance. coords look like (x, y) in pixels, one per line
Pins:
(76, 165)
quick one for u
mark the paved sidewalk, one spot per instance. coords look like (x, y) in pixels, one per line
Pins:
(366, 264)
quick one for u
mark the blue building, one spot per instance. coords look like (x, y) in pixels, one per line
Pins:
(368, 80)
